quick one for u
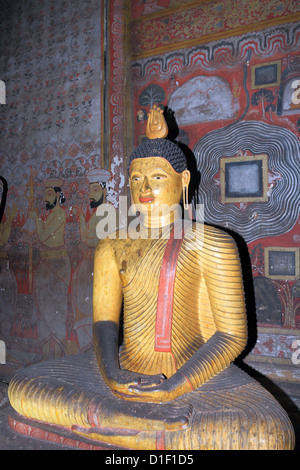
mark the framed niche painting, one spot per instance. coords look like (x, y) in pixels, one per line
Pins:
(282, 263)
(244, 179)
(266, 75)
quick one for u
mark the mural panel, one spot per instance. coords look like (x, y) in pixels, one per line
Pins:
(246, 155)
(54, 168)
(160, 28)
(253, 220)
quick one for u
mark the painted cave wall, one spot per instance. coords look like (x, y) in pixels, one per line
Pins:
(228, 76)
(61, 127)
(226, 70)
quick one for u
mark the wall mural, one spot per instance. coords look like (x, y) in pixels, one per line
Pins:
(161, 26)
(206, 98)
(47, 246)
(253, 220)
(235, 103)
(54, 170)
(237, 87)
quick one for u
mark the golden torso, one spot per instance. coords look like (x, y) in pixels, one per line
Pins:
(197, 303)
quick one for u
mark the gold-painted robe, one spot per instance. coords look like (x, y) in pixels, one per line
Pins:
(229, 409)
(208, 298)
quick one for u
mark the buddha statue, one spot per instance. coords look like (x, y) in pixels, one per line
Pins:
(169, 321)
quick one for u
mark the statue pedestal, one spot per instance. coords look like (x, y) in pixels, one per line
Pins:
(55, 434)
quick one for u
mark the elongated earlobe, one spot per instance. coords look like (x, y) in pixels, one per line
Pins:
(185, 186)
(185, 198)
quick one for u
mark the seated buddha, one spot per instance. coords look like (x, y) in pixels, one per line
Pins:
(170, 382)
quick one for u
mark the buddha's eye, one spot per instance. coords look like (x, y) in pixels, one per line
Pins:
(158, 177)
(135, 178)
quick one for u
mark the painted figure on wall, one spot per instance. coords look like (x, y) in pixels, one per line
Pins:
(82, 282)
(97, 180)
(8, 283)
(54, 271)
(172, 384)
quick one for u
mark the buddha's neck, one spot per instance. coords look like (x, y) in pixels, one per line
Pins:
(151, 221)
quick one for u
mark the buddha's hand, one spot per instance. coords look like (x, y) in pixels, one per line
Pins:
(121, 381)
(165, 391)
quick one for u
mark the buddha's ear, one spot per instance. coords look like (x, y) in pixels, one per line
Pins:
(186, 176)
(185, 179)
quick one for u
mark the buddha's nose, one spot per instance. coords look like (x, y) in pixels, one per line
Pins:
(145, 186)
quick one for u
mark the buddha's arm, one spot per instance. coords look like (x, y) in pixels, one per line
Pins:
(222, 272)
(107, 304)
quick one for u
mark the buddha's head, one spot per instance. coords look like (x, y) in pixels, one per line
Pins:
(158, 176)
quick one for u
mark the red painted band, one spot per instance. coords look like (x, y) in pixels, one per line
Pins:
(164, 311)
(160, 440)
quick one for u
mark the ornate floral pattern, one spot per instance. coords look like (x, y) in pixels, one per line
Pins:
(52, 126)
(205, 21)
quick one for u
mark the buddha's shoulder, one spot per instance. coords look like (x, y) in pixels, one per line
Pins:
(122, 248)
(114, 240)
(216, 232)
(202, 235)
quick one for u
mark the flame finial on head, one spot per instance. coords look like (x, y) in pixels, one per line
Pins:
(156, 145)
(156, 126)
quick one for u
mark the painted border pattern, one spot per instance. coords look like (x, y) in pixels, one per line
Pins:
(202, 22)
(116, 149)
(226, 53)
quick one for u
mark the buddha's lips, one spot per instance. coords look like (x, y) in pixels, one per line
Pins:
(146, 199)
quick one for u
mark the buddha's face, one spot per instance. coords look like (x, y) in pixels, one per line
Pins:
(155, 184)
